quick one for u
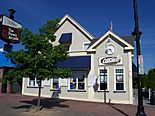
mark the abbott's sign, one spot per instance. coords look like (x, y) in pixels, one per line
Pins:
(9, 29)
(110, 60)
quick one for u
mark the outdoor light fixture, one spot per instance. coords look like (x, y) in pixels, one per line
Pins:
(12, 12)
(137, 34)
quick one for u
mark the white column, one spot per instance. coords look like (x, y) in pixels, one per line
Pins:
(130, 78)
(90, 89)
(23, 85)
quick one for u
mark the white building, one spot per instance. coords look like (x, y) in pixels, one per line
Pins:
(101, 68)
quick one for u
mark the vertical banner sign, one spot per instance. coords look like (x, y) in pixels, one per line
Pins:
(141, 63)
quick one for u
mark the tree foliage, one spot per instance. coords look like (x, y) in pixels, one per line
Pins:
(39, 58)
(149, 79)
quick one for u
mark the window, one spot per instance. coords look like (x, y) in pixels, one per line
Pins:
(86, 45)
(77, 81)
(81, 82)
(67, 47)
(119, 79)
(103, 79)
(47, 82)
(73, 83)
(55, 83)
(33, 82)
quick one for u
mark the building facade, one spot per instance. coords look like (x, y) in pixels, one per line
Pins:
(101, 68)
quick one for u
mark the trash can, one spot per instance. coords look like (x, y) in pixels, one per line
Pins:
(145, 94)
(152, 99)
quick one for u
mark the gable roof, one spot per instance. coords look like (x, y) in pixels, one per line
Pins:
(98, 41)
(129, 39)
(77, 25)
(93, 41)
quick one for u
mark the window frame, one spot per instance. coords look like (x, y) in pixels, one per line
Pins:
(77, 82)
(35, 83)
(106, 79)
(53, 84)
(115, 80)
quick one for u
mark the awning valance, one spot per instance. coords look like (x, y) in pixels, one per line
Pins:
(76, 63)
(66, 38)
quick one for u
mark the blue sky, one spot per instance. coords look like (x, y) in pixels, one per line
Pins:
(94, 15)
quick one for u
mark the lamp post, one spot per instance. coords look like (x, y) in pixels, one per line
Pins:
(137, 34)
(12, 12)
(8, 46)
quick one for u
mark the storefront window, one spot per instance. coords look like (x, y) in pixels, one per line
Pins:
(119, 79)
(33, 82)
(73, 83)
(81, 82)
(103, 79)
(77, 80)
(56, 83)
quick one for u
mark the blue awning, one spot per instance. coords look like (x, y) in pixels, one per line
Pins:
(66, 38)
(4, 61)
(76, 63)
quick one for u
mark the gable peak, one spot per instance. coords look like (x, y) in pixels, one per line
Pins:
(68, 17)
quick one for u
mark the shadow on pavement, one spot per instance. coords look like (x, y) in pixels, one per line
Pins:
(23, 107)
(117, 109)
(47, 103)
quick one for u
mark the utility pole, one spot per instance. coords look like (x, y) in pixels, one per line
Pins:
(137, 34)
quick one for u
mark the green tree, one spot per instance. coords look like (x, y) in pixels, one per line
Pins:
(150, 81)
(144, 81)
(38, 59)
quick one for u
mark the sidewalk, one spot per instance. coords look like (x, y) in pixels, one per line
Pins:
(57, 107)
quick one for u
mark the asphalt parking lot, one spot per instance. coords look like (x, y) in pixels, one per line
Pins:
(18, 105)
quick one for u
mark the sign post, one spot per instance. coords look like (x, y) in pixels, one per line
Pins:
(9, 30)
(137, 34)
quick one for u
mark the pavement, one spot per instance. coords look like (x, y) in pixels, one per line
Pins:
(146, 101)
(19, 105)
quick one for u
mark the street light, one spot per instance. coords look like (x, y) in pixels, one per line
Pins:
(137, 34)
(12, 12)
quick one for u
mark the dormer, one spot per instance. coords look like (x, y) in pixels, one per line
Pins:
(66, 40)
(72, 35)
